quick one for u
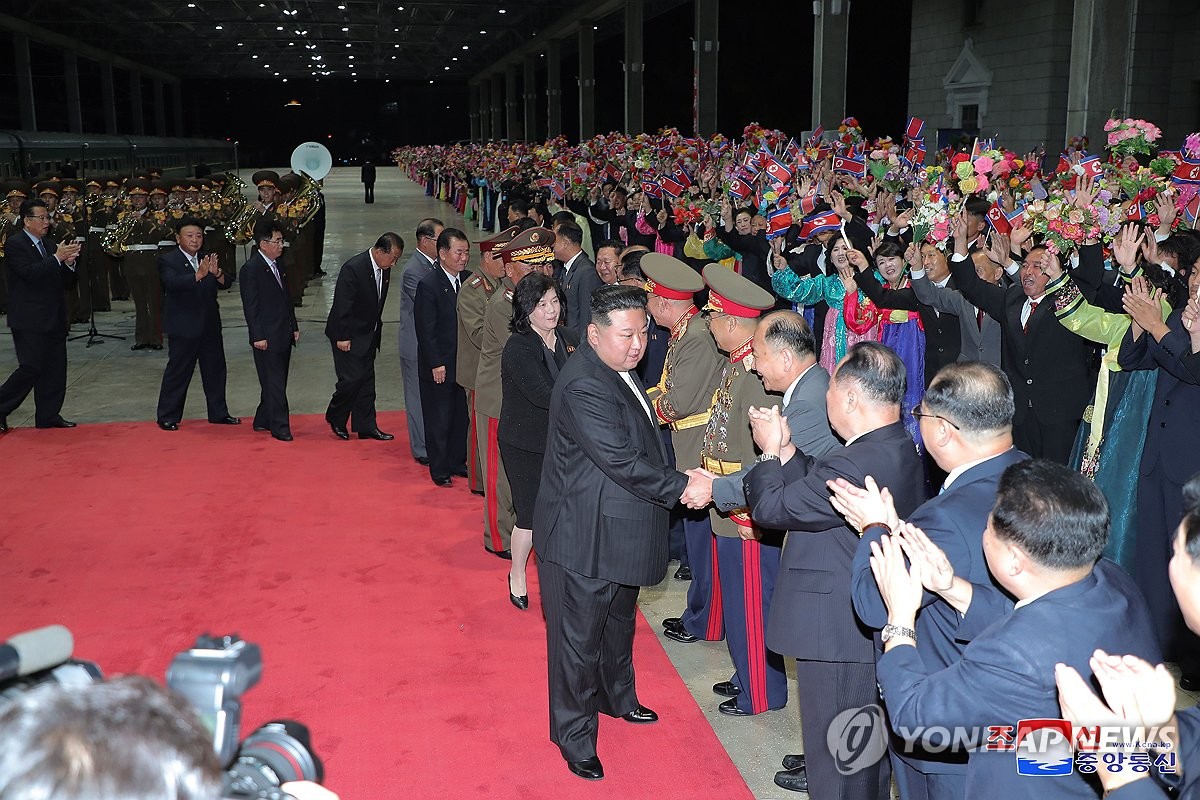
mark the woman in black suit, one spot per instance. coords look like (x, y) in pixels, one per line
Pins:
(529, 366)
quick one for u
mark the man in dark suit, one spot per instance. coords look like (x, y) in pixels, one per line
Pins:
(422, 262)
(443, 401)
(579, 276)
(192, 322)
(966, 421)
(353, 328)
(1043, 545)
(600, 526)
(1049, 367)
(812, 617)
(38, 273)
(271, 325)
(368, 181)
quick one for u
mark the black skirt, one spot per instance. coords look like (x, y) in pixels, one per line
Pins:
(524, 471)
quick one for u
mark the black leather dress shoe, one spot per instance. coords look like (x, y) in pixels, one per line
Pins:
(678, 632)
(794, 780)
(443, 482)
(520, 601)
(422, 460)
(169, 426)
(504, 554)
(140, 347)
(3, 425)
(730, 707)
(340, 431)
(1189, 682)
(261, 428)
(283, 437)
(59, 423)
(589, 769)
(154, 346)
(640, 716)
(793, 761)
(462, 473)
(726, 689)
(683, 574)
(226, 420)
(376, 434)
(671, 622)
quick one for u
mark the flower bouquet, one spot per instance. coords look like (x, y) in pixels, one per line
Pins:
(1131, 136)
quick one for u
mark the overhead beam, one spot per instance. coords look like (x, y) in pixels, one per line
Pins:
(60, 42)
(562, 28)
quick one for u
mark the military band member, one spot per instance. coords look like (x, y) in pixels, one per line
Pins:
(71, 214)
(747, 556)
(15, 193)
(472, 301)
(530, 249)
(140, 245)
(94, 217)
(682, 401)
(113, 205)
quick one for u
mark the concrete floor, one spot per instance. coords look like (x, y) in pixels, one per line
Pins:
(108, 382)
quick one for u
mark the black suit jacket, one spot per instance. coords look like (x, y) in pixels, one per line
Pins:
(357, 309)
(943, 336)
(528, 385)
(602, 507)
(191, 309)
(435, 313)
(1049, 367)
(582, 280)
(812, 615)
(35, 285)
(267, 305)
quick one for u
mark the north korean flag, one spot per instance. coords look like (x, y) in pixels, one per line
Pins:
(849, 166)
(778, 221)
(778, 171)
(740, 189)
(1017, 217)
(1091, 166)
(998, 220)
(808, 204)
(915, 152)
(792, 153)
(915, 128)
(613, 171)
(671, 186)
(819, 223)
(816, 136)
(652, 189)
(1136, 211)
(1187, 172)
(682, 176)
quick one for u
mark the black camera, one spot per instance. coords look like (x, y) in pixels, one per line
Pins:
(213, 676)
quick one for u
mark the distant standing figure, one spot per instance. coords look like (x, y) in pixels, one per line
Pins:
(368, 179)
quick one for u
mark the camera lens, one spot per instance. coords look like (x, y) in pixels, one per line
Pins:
(278, 752)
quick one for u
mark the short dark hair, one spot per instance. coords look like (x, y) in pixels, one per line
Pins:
(789, 330)
(528, 292)
(189, 220)
(750, 212)
(1054, 514)
(518, 205)
(27, 206)
(428, 228)
(975, 396)
(631, 266)
(888, 248)
(266, 228)
(562, 216)
(569, 231)
(877, 369)
(390, 241)
(1191, 518)
(449, 235)
(977, 205)
(126, 738)
(607, 299)
(613, 243)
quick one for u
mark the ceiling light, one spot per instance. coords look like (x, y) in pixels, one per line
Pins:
(353, 73)
(483, 33)
(191, 5)
(387, 80)
(347, 44)
(393, 58)
(239, 44)
(431, 81)
(276, 74)
(502, 11)
(344, 30)
(254, 56)
(285, 80)
(399, 8)
(220, 28)
(351, 58)
(595, 27)
(291, 103)
(465, 47)
(447, 69)
(396, 45)
(454, 59)
(291, 44)
(278, 27)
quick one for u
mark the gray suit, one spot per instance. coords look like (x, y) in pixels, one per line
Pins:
(810, 434)
(977, 344)
(418, 267)
(580, 282)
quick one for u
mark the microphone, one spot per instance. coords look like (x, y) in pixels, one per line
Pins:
(34, 651)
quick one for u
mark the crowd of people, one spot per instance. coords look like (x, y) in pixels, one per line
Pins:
(857, 362)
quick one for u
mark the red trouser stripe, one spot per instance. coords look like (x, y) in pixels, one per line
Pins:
(756, 646)
(472, 445)
(490, 501)
(716, 619)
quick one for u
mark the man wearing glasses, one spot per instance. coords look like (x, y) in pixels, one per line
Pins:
(271, 323)
(38, 274)
(420, 264)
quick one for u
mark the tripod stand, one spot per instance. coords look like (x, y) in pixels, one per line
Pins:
(93, 336)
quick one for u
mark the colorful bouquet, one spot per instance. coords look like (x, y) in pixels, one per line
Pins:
(931, 223)
(1131, 136)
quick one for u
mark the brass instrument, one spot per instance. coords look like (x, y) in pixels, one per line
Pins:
(239, 216)
(305, 205)
(114, 238)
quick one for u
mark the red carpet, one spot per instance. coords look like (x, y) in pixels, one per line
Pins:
(383, 623)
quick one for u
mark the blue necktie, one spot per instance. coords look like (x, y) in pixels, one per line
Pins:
(41, 248)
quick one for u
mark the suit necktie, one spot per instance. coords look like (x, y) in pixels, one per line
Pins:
(979, 318)
(275, 272)
(454, 283)
(378, 283)
(1032, 308)
(41, 249)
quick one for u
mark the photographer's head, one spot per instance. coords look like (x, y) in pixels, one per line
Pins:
(1047, 529)
(1184, 568)
(126, 739)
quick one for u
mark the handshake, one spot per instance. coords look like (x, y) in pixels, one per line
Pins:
(698, 493)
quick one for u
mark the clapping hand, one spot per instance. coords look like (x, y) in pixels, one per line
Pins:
(768, 427)
(863, 506)
(1144, 307)
(900, 587)
(1191, 322)
(928, 560)
(67, 252)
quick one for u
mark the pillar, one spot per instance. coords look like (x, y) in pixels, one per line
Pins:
(177, 97)
(705, 48)
(497, 108)
(108, 98)
(484, 102)
(473, 113)
(530, 98)
(587, 81)
(1099, 81)
(160, 108)
(25, 106)
(634, 67)
(512, 108)
(553, 88)
(135, 99)
(74, 109)
(830, 41)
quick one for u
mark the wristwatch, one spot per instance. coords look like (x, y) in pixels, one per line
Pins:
(766, 457)
(890, 631)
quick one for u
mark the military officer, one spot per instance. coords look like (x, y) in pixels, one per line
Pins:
(94, 217)
(16, 192)
(140, 248)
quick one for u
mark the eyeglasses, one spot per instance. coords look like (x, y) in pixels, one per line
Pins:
(916, 412)
(41, 218)
(272, 241)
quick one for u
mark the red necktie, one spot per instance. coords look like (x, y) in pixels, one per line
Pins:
(1033, 304)
(979, 318)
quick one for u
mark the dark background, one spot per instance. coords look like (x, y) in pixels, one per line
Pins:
(765, 69)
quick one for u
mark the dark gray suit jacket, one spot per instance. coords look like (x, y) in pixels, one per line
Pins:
(581, 281)
(602, 507)
(810, 433)
(416, 268)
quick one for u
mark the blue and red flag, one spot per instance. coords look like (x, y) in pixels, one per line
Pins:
(915, 128)
(792, 152)
(849, 166)
(652, 189)
(998, 219)
(682, 176)
(740, 188)
(1091, 166)
(1016, 217)
(778, 221)
(778, 171)
(808, 203)
(671, 186)
(816, 135)
(819, 223)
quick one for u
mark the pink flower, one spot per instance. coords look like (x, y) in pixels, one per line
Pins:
(983, 164)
